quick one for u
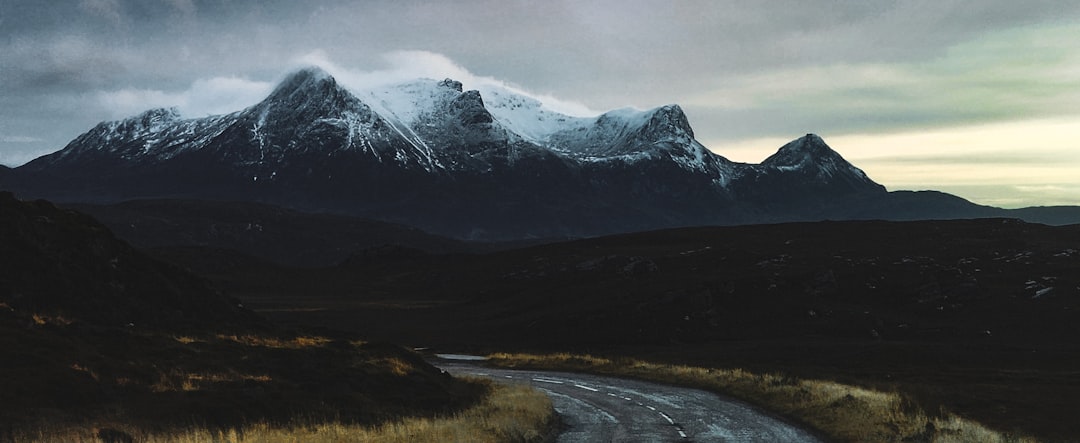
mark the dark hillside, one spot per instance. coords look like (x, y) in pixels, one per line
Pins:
(272, 233)
(1051, 215)
(980, 316)
(64, 264)
(95, 333)
(874, 280)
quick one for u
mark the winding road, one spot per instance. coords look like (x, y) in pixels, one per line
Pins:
(607, 409)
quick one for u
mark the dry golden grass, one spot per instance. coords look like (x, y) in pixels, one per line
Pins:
(841, 412)
(185, 381)
(397, 366)
(42, 320)
(187, 340)
(298, 342)
(510, 413)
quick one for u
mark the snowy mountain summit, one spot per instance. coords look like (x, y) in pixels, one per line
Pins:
(488, 163)
(810, 156)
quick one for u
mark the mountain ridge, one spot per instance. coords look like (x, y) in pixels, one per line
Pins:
(431, 154)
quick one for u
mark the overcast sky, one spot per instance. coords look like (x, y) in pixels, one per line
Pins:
(980, 98)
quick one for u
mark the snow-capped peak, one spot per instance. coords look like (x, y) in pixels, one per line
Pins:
(670, 119)
(304, 80)
(802, 152)
(157, 117)
(527, 116)
(438, 119)
(405, 103)
(452, 84)
(811, 155)
(417, 109)
(622, 132)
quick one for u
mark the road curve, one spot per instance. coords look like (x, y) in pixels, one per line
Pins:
(607, 409)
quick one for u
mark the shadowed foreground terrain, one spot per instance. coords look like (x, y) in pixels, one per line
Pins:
(97, 336)
(977, 316)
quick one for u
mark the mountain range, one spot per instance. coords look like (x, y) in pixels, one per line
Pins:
(490, 164)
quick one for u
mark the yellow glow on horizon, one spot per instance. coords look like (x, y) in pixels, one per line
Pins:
(1010, 164)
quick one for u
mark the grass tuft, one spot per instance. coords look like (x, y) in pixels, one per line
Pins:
(42, 320)
(298, 342)
(187, 340)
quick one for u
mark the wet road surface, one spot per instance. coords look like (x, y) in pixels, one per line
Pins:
(607, 409)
